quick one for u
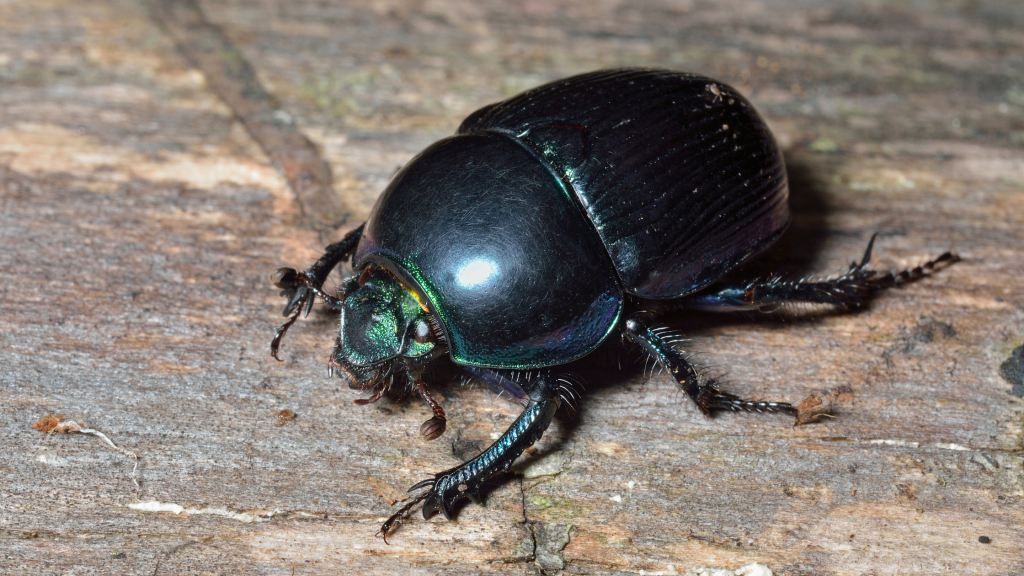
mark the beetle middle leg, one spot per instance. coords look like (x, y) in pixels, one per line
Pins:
(700, 389)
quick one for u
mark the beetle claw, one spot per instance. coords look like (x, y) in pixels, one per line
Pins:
(296, 301)
(446, 489)
(422, 484)
(309, 306)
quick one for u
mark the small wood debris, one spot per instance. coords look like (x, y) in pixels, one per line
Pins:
(50, 424)
(285, 416)
(818, 406)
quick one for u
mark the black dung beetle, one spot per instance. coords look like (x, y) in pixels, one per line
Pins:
(543, 227)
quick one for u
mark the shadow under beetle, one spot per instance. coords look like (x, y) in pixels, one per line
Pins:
(544, 226)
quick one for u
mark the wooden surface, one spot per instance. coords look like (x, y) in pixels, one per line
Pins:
(139, 222)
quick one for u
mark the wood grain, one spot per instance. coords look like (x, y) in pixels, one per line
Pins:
(233, 80)
(139, 222)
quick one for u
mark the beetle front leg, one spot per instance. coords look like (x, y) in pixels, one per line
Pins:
(302, 288)
(851, 290)
(448, 487)
(463, 481)
(700, 389)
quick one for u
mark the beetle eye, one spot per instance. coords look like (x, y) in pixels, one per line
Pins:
(422, 332)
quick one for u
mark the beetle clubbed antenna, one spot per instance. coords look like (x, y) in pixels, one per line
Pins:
(434, 427)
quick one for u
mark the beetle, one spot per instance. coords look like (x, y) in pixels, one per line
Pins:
(547, 224)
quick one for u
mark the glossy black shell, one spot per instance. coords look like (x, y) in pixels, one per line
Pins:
(524, 230)
(505, 259)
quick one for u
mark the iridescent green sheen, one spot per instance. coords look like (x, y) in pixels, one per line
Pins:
(376, 321)
(500, 251)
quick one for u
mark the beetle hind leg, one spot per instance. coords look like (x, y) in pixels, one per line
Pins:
(851, 290)
(702, 390)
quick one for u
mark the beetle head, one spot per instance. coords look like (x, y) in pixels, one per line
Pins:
(381, 322)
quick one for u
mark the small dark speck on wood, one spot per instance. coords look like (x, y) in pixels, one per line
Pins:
(1012, 370)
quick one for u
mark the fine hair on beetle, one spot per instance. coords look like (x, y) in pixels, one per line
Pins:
(552, 225)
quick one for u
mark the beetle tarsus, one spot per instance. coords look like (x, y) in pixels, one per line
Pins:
(275, 343)
(891, 279)
(726, 401)
(397, 517)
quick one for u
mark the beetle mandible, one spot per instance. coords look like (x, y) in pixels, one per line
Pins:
(544, 226)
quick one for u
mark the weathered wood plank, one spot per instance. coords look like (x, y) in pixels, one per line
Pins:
(139, 223)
